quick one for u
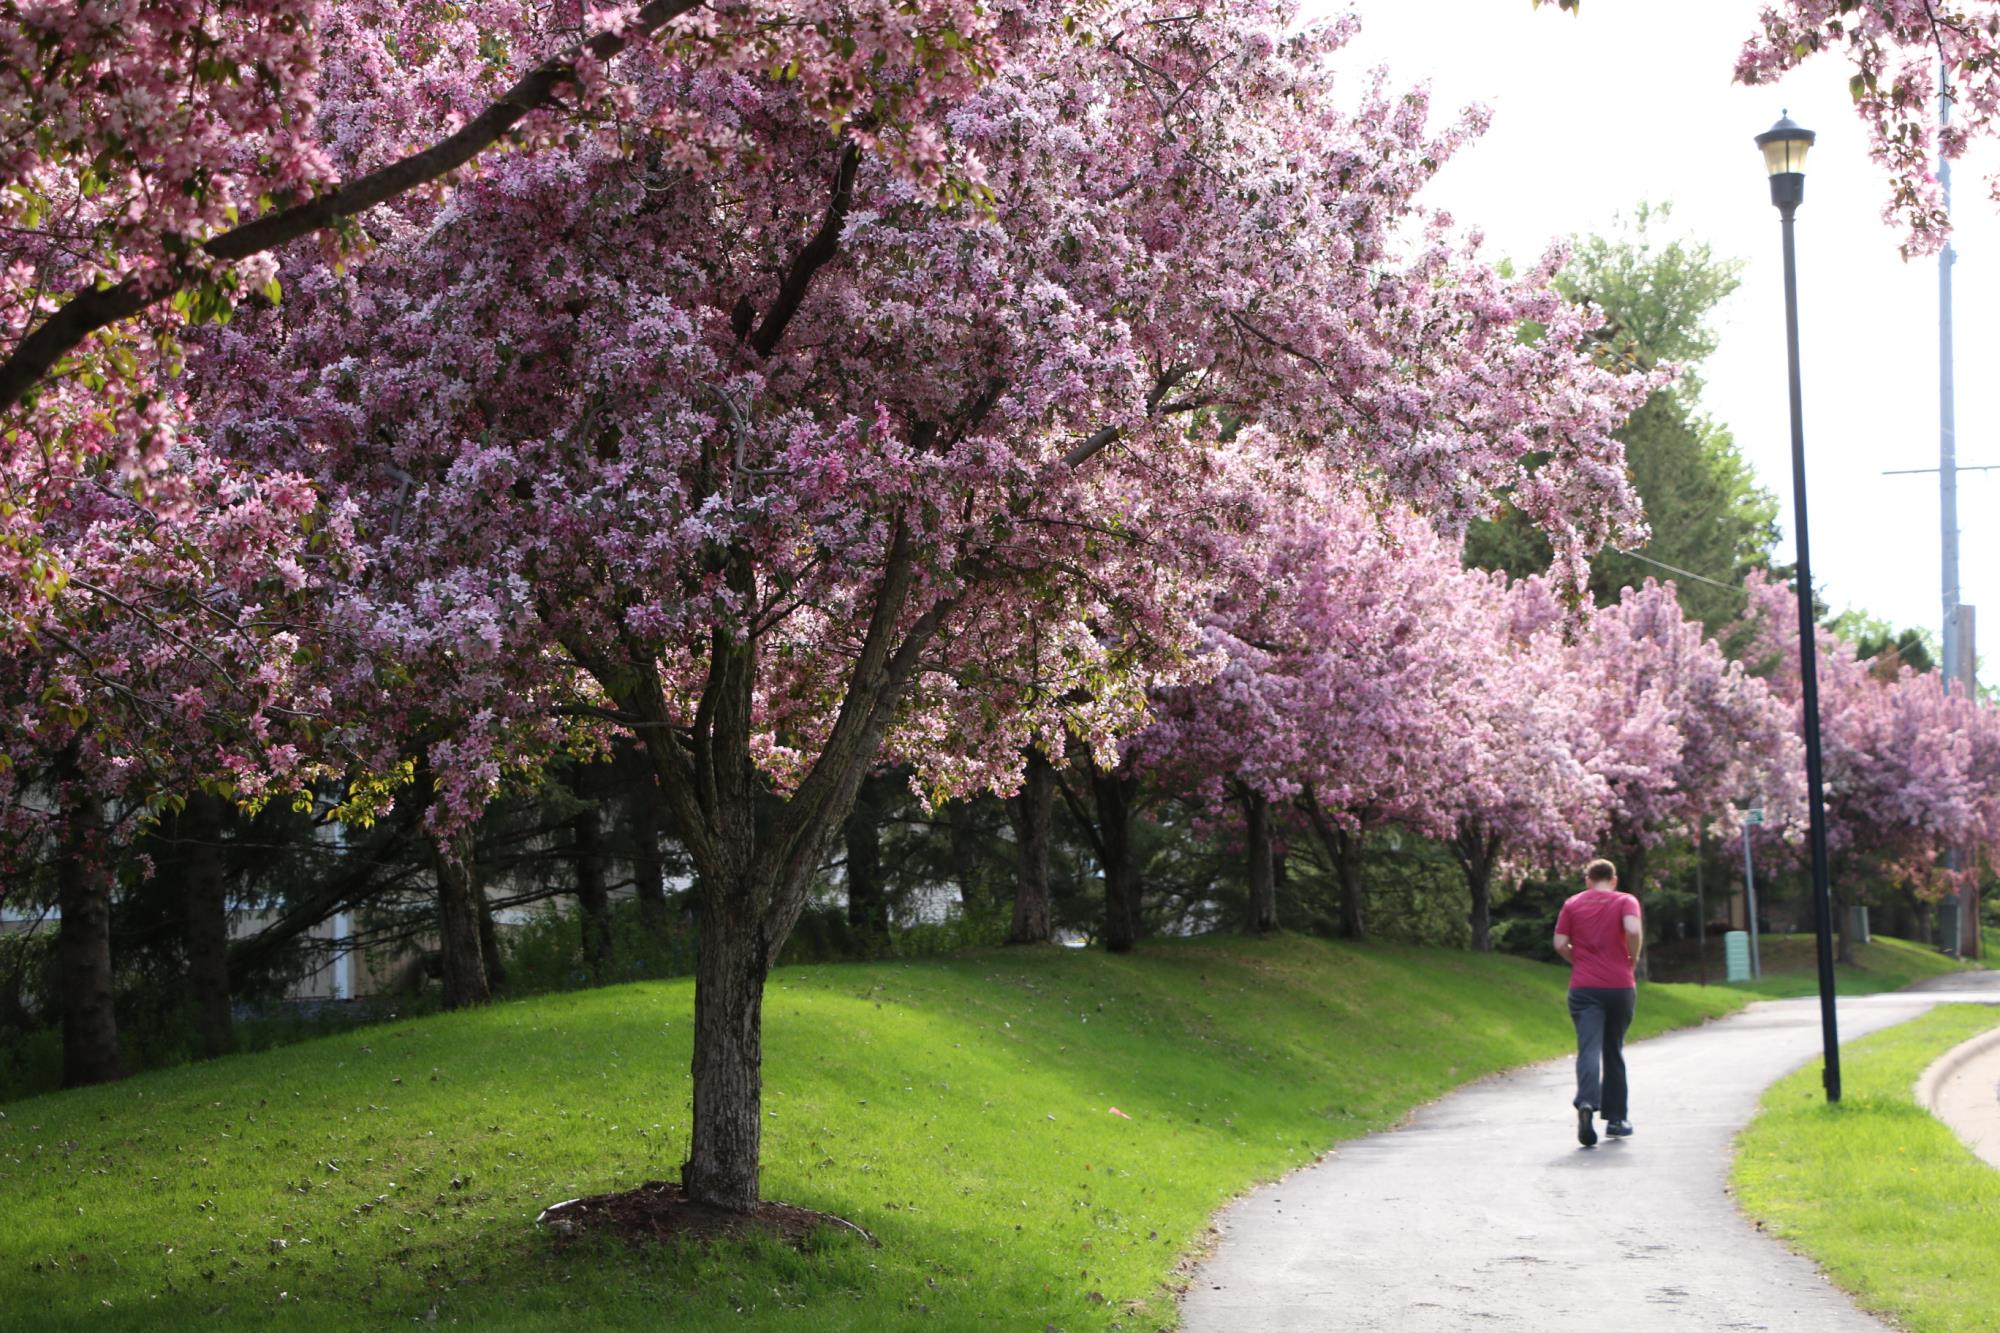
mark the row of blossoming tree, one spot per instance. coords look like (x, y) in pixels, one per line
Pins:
(1369, 680)
(410, 398)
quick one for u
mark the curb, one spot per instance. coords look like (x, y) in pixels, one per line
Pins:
(1950, 1063)
(1976, 1130)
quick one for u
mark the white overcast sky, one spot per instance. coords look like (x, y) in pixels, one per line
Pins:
(1634, 100)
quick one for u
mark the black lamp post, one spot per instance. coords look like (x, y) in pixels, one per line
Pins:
(1785, 146)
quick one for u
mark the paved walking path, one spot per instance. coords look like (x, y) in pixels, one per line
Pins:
(1484, 1213)
(1962, 1088)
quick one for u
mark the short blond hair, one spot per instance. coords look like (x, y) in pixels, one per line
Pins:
(1600, 871)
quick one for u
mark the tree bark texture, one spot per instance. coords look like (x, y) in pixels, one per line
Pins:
(1347, 866)
(593, 902)
(83, 945)
(1263, 916)
(490, 958)
(205, 920)
(754, 851)
(1636, 863)
(1477, 851)
(1113, 794)
(1343, 853)
(730, 967)
(1032, 811)
(867, 899)
(458, 926)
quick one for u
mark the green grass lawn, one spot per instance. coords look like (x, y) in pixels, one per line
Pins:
(1791, 966)
(959, 1110)
(1877, 1191)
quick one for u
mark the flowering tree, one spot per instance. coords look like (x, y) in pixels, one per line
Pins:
(171, 668)
(788, 471)
(154, 155)
(1520, 732)
(1387, 610)
(1908, 769)
(1681, 729)
(1341, 645)
(1898, 50)
(1232, 741)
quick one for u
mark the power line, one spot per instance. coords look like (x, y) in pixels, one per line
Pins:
(1684, 573)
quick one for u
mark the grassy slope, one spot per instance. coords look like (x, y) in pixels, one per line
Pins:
(959, 1110)
(1877, 1191)
(1791, 966)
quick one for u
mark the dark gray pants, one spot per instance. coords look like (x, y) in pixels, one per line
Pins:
(1601, 1016)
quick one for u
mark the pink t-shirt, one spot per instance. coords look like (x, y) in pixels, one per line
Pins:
(1594, 920)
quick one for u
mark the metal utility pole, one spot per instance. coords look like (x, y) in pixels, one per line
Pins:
(1954, 940)
(1972, 944)
(1958, 664)
(1700, 899)
(1947, 415)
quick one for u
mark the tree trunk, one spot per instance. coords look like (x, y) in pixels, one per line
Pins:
(592, 901)
(458, 925)
(83, 944)
(1632, 874)
(1844, 934)
(1263, 916)
(1032, 812)
(730, 966)
(1477, 852)
(205, 920)
(1479, 881)
(490, 957)
(1114, 795)
(1347, 864)
(1343, 850)
(755, 851)
(649, 868)
(867, 901)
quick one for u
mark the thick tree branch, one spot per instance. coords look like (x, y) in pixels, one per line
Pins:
(91, 309)
(1085, 451)
(824, 789)
(809, 261)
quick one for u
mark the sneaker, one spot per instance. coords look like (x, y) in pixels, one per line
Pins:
(1586, 1133)
(1619, 1129)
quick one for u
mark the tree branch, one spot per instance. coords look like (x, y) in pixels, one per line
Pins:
(91, 309)
(809, 261)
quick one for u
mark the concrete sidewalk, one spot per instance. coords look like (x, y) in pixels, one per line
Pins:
(1484, 1213)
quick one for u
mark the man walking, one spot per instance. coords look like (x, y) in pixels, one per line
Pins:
(1599, 934)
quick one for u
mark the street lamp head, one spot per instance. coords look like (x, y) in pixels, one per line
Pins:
(1784, 146)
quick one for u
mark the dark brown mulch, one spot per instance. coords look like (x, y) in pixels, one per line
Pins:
(657, 1212)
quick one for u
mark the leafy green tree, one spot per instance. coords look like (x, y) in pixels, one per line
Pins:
(1885, 648)
(1710, 518)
